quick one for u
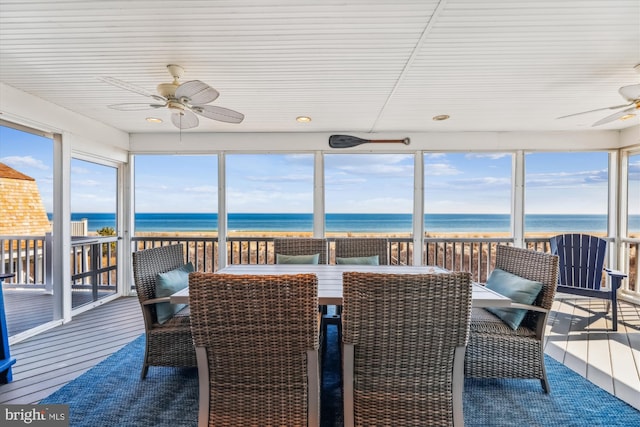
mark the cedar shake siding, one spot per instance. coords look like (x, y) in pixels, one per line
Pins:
(22, 212)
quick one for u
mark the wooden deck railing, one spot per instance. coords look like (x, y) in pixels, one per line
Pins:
(94, 261)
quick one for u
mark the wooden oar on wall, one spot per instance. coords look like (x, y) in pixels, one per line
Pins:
(346, 141)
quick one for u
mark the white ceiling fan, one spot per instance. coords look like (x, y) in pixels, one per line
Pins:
(183, 99)
(631, 94)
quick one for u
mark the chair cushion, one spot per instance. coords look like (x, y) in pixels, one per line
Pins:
(359, 260)
(488, 324)
(167, 284)
(517, 288)
(297, 259)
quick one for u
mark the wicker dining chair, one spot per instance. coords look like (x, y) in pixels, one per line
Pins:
(496, 350)
(169, 343)
(351, 247)
(256, 339)
(301, 246)
(404, 345)
(355, 247)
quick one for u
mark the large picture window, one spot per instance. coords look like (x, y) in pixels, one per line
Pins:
(633, 191)
(270, 194)
(368, 194)
(176, 195)
(467, 194)
(566, 193)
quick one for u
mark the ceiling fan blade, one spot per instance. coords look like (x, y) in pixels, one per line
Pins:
(218, 113)
(616, 116)
(135, 106)
(615, 107)
(197, 92)
(131, 87)
(184, 119)
(631, 92)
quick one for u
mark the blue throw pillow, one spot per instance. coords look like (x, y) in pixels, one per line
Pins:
(519, 289)
(297, 259)
(167, 284)
(359, 260)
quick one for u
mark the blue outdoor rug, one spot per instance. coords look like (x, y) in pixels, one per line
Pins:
(112, 395)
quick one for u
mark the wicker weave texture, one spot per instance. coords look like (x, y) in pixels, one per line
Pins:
(357, 247)
(405, 328)
(169, 344)
(497, 351)
(257, 330)
(301, 246)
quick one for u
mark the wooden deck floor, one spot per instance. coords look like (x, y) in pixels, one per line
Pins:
(29, 308)
(579, 336)
(51, 359)
(575, 337)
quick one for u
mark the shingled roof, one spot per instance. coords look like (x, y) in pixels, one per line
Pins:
(22, 212)
(10, 173)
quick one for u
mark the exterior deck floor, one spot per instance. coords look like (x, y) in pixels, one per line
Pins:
(578, 335)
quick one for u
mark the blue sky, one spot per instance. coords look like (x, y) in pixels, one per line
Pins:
(454, 182)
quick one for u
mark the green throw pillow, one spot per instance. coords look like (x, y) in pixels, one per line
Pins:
(167, 284)
(519, 289)
(297, 259)
(359, 260)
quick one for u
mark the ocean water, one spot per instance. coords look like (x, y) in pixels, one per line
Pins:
(371, 223)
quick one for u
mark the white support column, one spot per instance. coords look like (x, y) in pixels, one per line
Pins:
(61, 227)
(222, 211)
(615, 216)
(318, 195)
(517, 199)
(418, 207)
(126, 224)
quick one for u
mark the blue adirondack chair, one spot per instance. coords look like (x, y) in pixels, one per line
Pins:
(581, 259)
(5, 357)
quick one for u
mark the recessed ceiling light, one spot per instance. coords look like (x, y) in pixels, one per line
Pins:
(303, 119)
(154, 120)
(440, 117)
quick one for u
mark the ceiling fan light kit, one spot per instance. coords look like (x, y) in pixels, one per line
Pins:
(182, 99)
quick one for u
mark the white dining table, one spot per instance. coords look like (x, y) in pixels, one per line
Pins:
(330, 280)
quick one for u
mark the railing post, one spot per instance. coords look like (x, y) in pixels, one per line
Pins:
(95, 251)
(48, 263)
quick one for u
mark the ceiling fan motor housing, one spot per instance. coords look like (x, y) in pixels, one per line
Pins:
(168, 90)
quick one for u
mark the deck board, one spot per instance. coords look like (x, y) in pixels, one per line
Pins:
(51, 359)
(578, 336)
(29, 308)
(575, 336)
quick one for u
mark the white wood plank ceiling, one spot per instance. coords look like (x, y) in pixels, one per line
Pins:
(359, 66)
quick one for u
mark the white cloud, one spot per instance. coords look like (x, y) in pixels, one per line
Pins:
(202, 189)
(18, 162)
(440, 169)
(492, 156)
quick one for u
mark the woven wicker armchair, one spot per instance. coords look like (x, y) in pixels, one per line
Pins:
(256, 339)
(404, 344)
(497, 351)
(170, 343)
